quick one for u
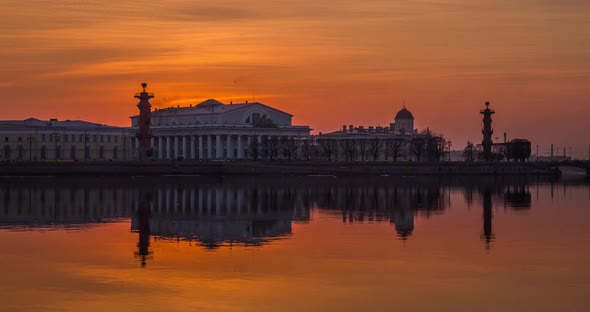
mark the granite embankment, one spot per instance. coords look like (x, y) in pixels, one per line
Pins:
(227, 168)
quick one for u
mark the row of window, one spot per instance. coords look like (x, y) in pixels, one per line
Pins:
(67, 137)
(58, 153)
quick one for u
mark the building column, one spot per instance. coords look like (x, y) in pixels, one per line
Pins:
(136, 148)
(201, 154)
(192, 147)
(229, 147)
(218, 147)
(209, 147)
(184, 153)
(160, 148)
(175, 146)
(240, 150)
(168, 147)
(248, 145)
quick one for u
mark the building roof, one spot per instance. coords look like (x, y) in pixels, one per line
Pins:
(34, 122)
(404, 114)
(208, 107)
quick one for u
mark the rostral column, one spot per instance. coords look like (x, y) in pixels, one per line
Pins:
(145, 115)
(487, 131)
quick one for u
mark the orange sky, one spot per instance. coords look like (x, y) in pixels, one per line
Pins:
(327, 62)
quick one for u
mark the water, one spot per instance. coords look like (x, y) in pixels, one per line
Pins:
(294, 244)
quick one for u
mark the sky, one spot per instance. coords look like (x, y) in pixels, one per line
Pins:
(329, 63)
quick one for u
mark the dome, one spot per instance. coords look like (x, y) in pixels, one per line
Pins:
(404, 114)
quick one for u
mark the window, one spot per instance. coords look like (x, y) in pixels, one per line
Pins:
(101, 138)
(65, 138)
(115, 153)
(101, 152)
(74, 138)
(20, 152)
(95, 138)
(87, 153)
(5, 139)
(80, 139)
(116, 139)
(43, 137)
(109, 138)
(20, 139)
(73, 153)
(43, 152)
(58, 152)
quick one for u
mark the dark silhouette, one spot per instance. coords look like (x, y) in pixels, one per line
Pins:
(144, 122)
(487, 132)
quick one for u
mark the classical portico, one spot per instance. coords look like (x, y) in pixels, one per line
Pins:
(212, 130)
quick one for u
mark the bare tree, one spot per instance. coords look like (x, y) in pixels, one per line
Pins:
(348, 148)
(436, 148)
(417, 147)
(375, 147)
(395, 148)
(306, 149)
(254, 148)
(363, 145)
(289, 147)
(270, 147)
(328, 147)
(469, 152)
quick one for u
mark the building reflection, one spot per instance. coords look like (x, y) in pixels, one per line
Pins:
(213, 214)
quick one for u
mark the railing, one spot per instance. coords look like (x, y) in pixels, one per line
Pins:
(142, 93)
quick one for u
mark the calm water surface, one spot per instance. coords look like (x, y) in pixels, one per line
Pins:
(294, 244)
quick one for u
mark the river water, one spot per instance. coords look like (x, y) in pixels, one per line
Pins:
(294, 244)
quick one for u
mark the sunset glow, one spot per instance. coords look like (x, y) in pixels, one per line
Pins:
(329, 63)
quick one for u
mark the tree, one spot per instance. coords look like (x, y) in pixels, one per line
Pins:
(348, 148)
(436, 147)
(306, 149)
(328, 147)
(395, 148)
(375, 148)
(417, 147)
(289, 146)
(363, 146)
(469, 152)
(254, 148)
(270, 147)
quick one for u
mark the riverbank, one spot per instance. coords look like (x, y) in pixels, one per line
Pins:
(252, 168)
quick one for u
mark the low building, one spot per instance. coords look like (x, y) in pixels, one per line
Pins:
(371, 143)
(214, 130)
(62, 140)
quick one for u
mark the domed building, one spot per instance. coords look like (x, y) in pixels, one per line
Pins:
(404, 121)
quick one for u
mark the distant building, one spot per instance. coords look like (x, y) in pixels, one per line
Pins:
(214, 130)
(55, 140)
(354, 143)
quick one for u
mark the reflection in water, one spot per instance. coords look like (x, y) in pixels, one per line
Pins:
(488, 235)
(251, 212)
(143, 216)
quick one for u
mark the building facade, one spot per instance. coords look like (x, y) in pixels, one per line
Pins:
(214, 130)
(371, 143)
(62, 140)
